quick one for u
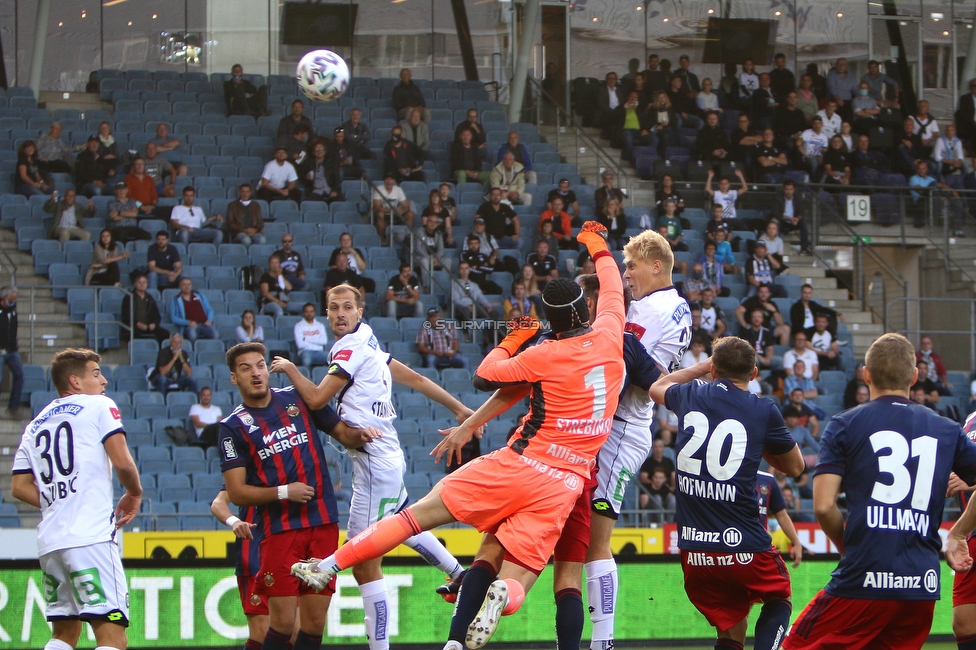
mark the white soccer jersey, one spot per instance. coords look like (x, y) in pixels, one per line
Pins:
(662, 322)
(367, 400)
(727, 201)
(63, 448)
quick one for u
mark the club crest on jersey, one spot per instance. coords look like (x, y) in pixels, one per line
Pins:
(268, 579)
(764, 489)
(229, 451)
(292, 411)
(115, 413)
(246, 418)
(342, 355)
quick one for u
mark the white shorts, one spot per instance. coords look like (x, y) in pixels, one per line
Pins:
(86, 583)
(619, 460)
(377, 489)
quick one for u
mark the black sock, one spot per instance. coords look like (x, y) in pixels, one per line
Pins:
(306, 641)
(966, 642)
(569, 619)
(774, 620)
(251, 644)
(474, 588)
(275, 640)
(728, 644)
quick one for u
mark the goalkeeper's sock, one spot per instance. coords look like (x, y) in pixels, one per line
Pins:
(275, 640)
(771, 626)
(473, 590)
(963, 642)
(306, 641)
(251, 644)
(376, 541)
(435, 553)
(569, 619)
(377, 613)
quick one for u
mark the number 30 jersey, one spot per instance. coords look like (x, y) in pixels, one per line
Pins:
(63, 447)
(895, 457)
(722, 434)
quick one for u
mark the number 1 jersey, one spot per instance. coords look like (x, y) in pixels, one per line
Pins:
(63, 447)
(895, 457)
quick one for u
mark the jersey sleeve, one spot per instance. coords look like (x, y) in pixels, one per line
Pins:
(964, 463)
(676, 396)
(22, 459)
(776, 501)
(610, 313)
(325, 419)
(641, 369)
(109, 420)
(831, 459)
(530, 365)
(778, 439)
(347, 358)
(233, 450)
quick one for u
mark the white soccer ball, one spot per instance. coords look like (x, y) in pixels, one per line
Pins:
(322, 75)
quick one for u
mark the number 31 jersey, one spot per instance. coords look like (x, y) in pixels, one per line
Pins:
(63, 447)
(895, 457)
(722, 434)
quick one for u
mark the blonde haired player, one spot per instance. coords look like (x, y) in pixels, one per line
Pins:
(64, 467)
(660, 319)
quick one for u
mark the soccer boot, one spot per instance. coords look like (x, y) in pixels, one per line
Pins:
(309, 572)
(448, 591)
(486, 622)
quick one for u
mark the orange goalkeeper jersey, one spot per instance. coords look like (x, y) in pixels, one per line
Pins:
(575, 382)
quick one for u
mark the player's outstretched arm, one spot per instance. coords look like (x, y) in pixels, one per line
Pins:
(456, 437)
(957, 546)
(128, 473)
(24, 489)
(682, 376)
(315, 397)
(352, 437)
(610, 313)
(408, 377)
(787, 525)
(220, 508)
(826, 488)
(243, 494)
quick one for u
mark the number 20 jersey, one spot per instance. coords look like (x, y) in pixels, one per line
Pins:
(895, 457)
(63, 447)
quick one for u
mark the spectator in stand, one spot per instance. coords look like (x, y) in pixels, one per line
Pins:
(544, 266)
(723, 250)
(804, 311)
(936, 370)
(296, 144)
(466, 159)
(823, 343)
(478, 137)
(713, 269)
(632, 126)
(311, 338)
(769, 160)
(140, 309)
(467, 297)
(509, 176)
(165, 267)
(489, 247)
(744, 140)
(142, 189)
(910, 149)
(658, 497)
(763, 269)
(706, 100)
(848, 136)
(570, 203)
(801, 353)
(244, 220)
(203, 414)
(711, 319)
(760, 338)
(53, 152)
(748, 84)
(108, 150)
(842, 87)
(801, 435)
(662, 122)
(30, 181)
(948, 152)
(724, 195)
(278, 179)
(343, 158)
(763, 107)
(544, 233)
(639, 85)
(320, 173)
(683, 105)
(561, 224)
(654, 76)
(90, 176)
(925, 126)
(428, 250)
(876, 82)
(342, 273)
(869, 166)
(694, 284)
(609, 97)
(287, 124)
(851, 390)
(613, 218)
(356, 261)
(918, 395)
(403, 295)
(407, 96)
(865, 108)
(810, 414)
(69, 217)
(837, 163)
(965, 115)
(172, 370)
(249, 331)
(521, 154)
(781, 79)
(789, 122)
(438, 343)
(712, 142)
(688, 78)
(436, 210)
(274, 288)
(357, 134)
(812, 144)
(657, 460)
(291, 262)
(242, 97)
(519, 300)
(402, 158)
(923, 382)
(830, 118)
(806, 98)
(164, 141)
(772, 319)
(390, 206)
(122, 213)
(479, 265)
(607, 191)
(191, 224)
(9, 355)
(797, 379)
(665, 191)
(104, 269)
(500, 220)
(415, 131)
(671, 221)
(192, 311)
(790, 210)
(159, 169)
(532, 291)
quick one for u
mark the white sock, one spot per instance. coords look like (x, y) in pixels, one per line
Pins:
(377, 614)
(328, 564)
(453, 645)
(601, 596)
(435, 553)
(57, 644)
(101, 647)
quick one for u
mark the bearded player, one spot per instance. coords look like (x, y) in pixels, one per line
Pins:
(575, 382)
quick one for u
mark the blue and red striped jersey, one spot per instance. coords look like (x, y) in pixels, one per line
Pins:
(247, 552)
(277, 445)
(770, 497)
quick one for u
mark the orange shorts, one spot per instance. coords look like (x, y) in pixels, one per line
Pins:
(523, 502)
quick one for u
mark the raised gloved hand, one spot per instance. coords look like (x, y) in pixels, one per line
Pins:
(593, 235)
(525, 328)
